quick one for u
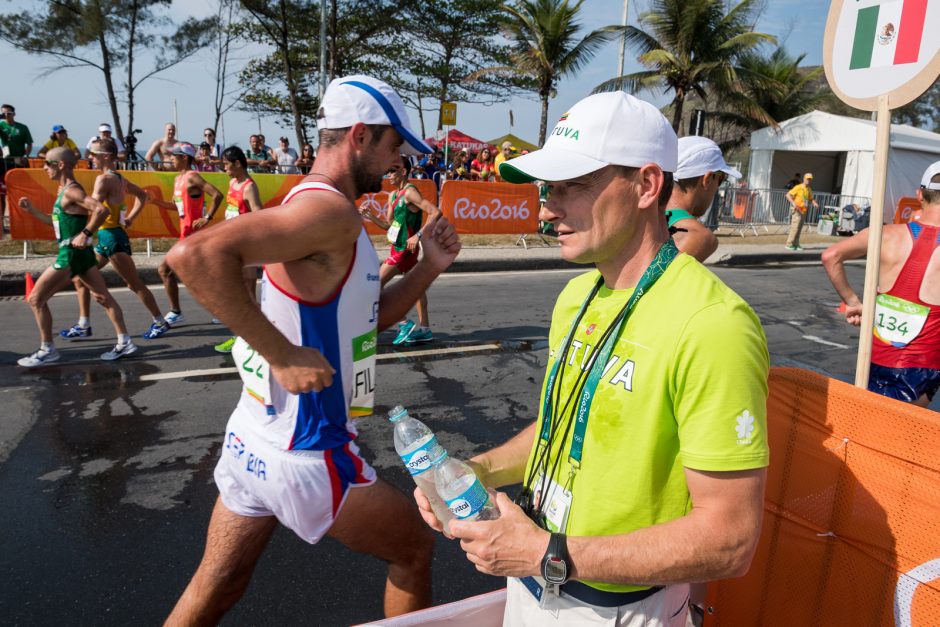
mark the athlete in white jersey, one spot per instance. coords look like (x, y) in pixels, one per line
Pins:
(307, 358)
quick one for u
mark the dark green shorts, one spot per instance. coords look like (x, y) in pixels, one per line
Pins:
(78, 261)
(112, 241)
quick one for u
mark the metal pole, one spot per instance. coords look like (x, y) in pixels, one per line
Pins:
(873, 264)
(322, 48)
(149, 247)
(176, 120)
(623, 39)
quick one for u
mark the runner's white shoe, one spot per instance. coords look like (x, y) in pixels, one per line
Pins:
(119, 350)
(40, 358)
(172, 317)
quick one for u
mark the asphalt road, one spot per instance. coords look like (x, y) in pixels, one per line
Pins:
(106, 471)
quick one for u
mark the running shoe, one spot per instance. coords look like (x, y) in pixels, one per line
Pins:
(216, 321)
(418, 335)
(789, 247)
(173, 317)
(119, 350)
(404, 330)
(156, 330)
(39, 358)
(75, 332)
(226, 346)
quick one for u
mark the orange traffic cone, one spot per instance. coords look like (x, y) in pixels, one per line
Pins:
(841, 308)
(29, 284)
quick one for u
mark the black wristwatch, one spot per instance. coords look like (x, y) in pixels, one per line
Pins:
(87, 232)
(556, 563)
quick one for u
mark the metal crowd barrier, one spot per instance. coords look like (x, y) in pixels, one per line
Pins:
(744, 209)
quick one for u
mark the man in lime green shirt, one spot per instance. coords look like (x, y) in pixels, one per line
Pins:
(645, 469)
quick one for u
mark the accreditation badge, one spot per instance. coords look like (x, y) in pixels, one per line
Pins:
(393, 232)
(557, 505)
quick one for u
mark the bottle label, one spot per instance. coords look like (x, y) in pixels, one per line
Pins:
(470, 502)
(422, 459)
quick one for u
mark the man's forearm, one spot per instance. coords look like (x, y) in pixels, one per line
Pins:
(505, 464)
(400, 296)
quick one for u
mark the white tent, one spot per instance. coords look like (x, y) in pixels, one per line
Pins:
(840, 152)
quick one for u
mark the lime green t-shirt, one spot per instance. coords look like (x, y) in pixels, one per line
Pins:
(685, 387)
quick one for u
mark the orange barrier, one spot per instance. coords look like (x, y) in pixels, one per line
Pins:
(742, 205)
(851, 532)
(907, 207)
(153, 220)
(490, 208)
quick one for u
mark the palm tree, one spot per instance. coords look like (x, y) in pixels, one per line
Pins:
(545, 48)
(694, 46)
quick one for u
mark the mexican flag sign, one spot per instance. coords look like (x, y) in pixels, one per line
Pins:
(888, 33)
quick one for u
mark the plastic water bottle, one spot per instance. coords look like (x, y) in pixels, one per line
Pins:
(466, 497)
(420, 452)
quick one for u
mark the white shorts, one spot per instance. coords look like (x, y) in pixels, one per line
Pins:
(667, 608)
(303, 489)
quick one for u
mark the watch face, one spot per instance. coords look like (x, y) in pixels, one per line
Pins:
(556, 570)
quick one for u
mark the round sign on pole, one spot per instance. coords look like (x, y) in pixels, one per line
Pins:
(879, 48)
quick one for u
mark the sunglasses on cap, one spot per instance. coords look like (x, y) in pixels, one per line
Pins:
(52, 163)
(208, 134)
(721, 176)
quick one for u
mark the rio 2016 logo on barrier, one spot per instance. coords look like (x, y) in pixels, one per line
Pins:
(464, 209)
(371, 203)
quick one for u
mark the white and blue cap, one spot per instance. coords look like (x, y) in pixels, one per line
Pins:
(358, 98)
(605, 129)
(931, 172)
(699, 156)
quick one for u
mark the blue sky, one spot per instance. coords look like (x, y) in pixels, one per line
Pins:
(76, 98)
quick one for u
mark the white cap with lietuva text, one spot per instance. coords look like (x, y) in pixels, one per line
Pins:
(603, 129)
(700, 155)
(353, 99)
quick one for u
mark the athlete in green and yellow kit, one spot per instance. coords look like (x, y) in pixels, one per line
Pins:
(73, 231)
(113, 244)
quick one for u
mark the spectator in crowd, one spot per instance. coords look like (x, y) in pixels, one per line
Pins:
(505, 153)
(429, 165)
(59, 139)
(286, 157)
(258, 158)
(204, 161)
(794, 181)
(459, 170)
(268, 149)
(104, 132)
(305, 162)
(17, 144)
(482, 168)
(163, 148)
(208, 136)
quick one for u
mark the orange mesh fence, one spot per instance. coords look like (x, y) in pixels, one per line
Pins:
(851, 532)
(490, 208)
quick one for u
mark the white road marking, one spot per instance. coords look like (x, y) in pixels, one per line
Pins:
(819, 340)
(182, 374)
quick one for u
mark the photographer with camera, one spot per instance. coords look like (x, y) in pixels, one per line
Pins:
(645, 469)
(104, 133)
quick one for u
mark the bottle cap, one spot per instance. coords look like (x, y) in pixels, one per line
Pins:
(397, 413)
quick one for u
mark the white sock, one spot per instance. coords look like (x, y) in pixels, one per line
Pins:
(46, 346)
(123, 339)
(83, 322)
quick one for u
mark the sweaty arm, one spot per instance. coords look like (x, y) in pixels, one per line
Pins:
(441, 244)
(833, 259)
(199, 183)
(697, 240)
(210, 262)
(154, 150)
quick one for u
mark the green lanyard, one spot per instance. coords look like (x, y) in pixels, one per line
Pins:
(657, 267)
